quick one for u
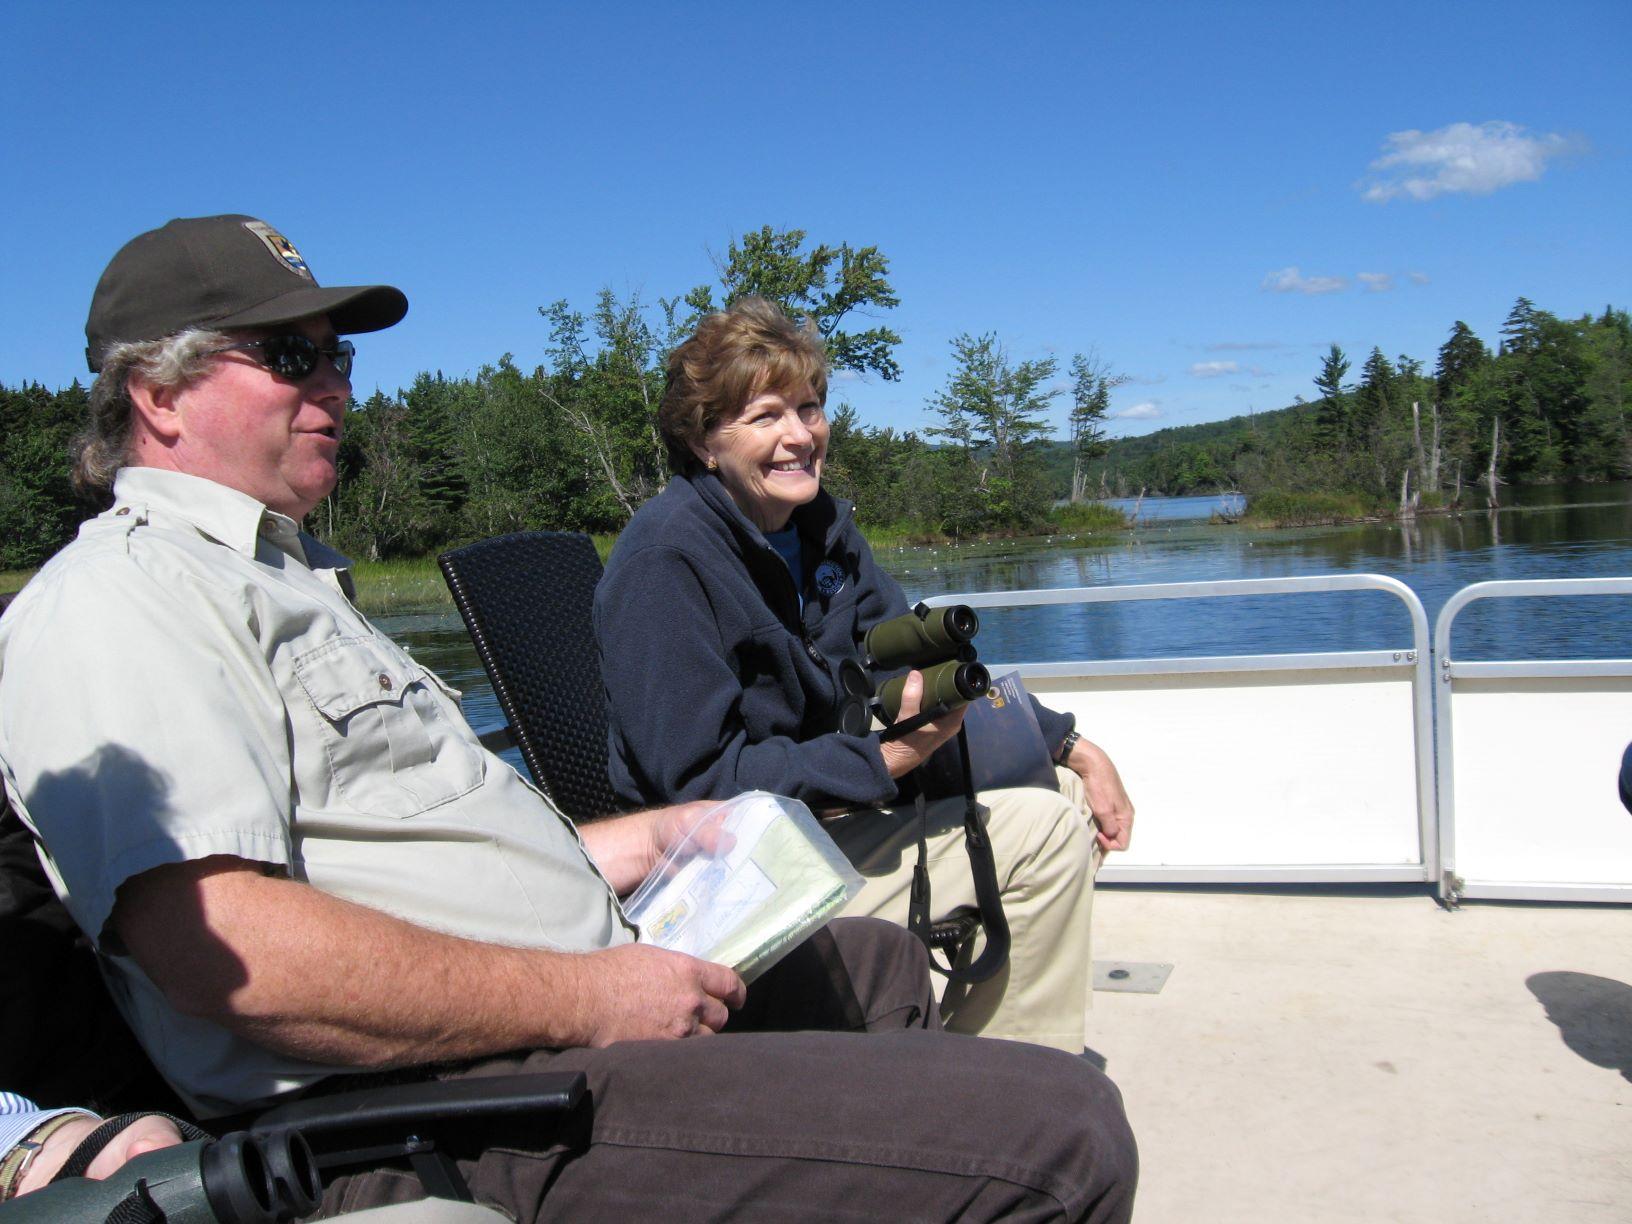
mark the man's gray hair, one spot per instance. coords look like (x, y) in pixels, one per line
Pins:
(173, 362)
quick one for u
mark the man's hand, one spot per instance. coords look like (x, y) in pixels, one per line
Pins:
(640, 993)
(1107, 799)
(309, 975)
(146, 1134)
(702, 820)
(627, 848)
(903, 755)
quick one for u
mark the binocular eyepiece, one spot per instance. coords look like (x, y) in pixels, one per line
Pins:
(939, 642)
(947, 684)
(924, 635)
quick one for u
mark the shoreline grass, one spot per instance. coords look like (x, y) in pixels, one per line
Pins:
(1275, 508)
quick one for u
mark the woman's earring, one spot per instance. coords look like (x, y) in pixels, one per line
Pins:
(713, 464)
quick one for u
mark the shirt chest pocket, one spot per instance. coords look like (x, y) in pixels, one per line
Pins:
(389, 729)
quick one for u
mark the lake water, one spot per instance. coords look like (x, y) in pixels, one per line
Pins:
(1551, 532)
(1176, 509)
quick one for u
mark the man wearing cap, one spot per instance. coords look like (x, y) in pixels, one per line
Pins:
(298, 863)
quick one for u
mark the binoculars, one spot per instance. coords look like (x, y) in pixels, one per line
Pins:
(940, 643)
(241, 1179)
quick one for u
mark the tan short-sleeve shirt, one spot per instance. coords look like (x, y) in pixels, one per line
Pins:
(189, 678)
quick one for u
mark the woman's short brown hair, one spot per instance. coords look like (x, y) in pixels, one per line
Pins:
(733, 356)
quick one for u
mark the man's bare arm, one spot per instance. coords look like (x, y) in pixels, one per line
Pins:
(296, 970)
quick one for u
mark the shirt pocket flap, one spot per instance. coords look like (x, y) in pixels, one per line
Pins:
(348, 674)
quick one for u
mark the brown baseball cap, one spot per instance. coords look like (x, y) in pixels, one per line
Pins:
(221, 272)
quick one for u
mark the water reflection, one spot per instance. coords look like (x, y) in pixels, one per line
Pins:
(1544, 536)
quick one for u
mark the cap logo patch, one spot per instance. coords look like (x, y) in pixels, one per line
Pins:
(829, 578)
(282, 249)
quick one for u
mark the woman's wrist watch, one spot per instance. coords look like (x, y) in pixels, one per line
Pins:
(1068, 743)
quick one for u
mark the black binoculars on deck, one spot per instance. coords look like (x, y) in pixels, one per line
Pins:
(939, 642)
(265, 1178)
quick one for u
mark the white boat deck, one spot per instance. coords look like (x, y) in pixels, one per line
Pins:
(1362, 1054)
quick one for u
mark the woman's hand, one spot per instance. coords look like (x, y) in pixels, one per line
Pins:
(1107, 799)
(903, 755)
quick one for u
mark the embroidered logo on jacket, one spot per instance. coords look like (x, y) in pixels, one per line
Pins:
(829, 578)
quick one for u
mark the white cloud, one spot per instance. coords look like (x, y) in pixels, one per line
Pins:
(1243, 346)
(1418, 278)
(839, 376)
(1290, 280)
(1475, 158)
(1214, 369)
(1147, 411)
(1376, 282)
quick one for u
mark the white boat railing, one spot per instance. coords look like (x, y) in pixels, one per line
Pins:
(1528, 753)
(1272, 768)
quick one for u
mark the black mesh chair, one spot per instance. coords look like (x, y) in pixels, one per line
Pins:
(526, 600)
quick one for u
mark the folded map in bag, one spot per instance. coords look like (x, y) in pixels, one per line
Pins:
(1006, 745)
(755, 876)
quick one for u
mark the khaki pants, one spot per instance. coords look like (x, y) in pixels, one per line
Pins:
(1046, 856)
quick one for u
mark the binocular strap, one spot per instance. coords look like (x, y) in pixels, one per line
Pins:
(91, 1146)
(988, 898)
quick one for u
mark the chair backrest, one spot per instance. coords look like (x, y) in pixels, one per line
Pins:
(62, 1040)
(526, 600)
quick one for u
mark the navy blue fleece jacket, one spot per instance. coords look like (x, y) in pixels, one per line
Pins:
(716, 681)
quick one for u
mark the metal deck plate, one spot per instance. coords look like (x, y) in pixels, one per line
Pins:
(1131, 977)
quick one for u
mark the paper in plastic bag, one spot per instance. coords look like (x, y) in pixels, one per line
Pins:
(756, 875)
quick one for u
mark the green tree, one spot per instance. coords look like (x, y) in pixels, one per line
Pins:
(1461, 356)
(379, 509)
(826, 284)
(993, 411)
(1332, 413)
(1091, 385)
(605, 382)
(1606, 442)
(435, 409)
(38, 511)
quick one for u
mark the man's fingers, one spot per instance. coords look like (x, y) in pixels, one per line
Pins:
(723, 984)
(713, 1018)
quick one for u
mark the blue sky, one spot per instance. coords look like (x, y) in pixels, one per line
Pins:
(1206, 195)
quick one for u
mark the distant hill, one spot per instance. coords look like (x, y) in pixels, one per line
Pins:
(1180, 459)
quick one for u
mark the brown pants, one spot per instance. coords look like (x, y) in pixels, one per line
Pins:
(885, 1118)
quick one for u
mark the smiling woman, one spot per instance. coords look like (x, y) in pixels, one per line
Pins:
(733, 604)
(769, 458)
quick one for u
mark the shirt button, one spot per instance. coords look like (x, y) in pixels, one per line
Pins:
(268, 527)
(385, 682)
(122, 510)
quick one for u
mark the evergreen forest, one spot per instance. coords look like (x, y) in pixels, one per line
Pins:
(571, 443)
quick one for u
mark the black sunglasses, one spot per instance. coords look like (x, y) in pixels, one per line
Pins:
(294, 356)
